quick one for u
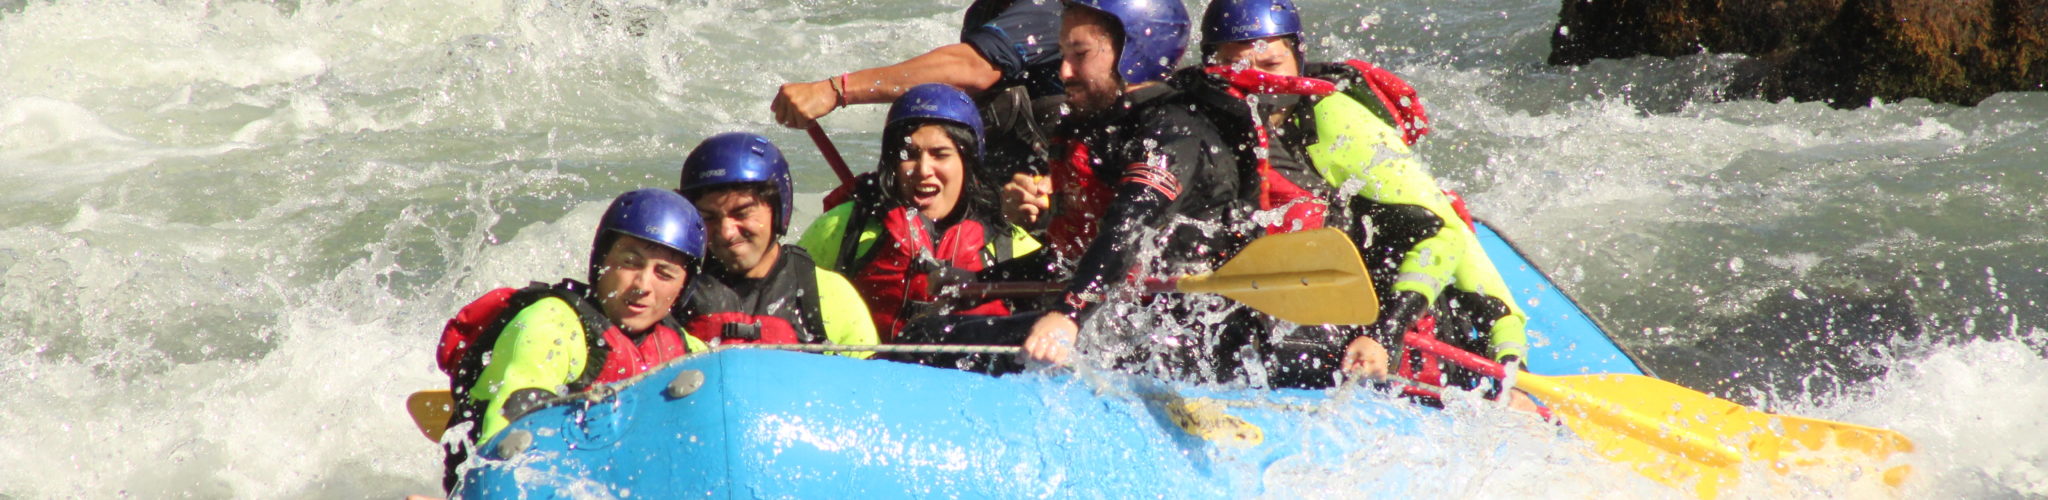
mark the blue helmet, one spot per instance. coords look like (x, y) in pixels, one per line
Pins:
(656, 215)
(937, 102)
(1239, 20)
(1155, 33)
(740, 158)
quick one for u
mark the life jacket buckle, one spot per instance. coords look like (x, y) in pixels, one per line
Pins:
(741, 331)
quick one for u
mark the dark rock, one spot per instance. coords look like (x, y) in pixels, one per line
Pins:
(1845, 52)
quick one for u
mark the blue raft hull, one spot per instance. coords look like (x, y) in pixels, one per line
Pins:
(780, 424)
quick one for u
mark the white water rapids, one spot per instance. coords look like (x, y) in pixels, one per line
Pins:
(230, 230)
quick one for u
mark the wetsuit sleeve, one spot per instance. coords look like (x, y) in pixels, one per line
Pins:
(847, 321)
(1023, 36)
(1504, 323)
(1429, 265)
(823, 237)
(1359, 153)
(541, 348)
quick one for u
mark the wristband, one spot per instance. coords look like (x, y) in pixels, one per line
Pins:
(839, 89)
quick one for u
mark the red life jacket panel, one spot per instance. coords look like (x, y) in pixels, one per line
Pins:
(1419, 365)
(628, 358)
(737, 327)
(1458, 205)
(461, 331)
(1080, 201)
(1399, 98)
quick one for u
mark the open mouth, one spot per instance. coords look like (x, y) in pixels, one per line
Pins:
(925, 194)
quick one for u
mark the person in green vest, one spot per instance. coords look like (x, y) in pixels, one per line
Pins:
(573, 335)
(923, 219)
(1422, 252)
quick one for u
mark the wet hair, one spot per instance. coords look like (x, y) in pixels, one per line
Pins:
(977, 195)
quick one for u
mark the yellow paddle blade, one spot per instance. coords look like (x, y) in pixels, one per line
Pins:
(1308, 277)
(1206, 419)
(430, 411)
(1694, 441)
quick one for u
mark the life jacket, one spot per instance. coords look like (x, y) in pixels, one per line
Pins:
(1080, 201)
(895, 274)
(481, 322)
(612, 356)
(1398, 98)
(1304, 208)
(779, 309)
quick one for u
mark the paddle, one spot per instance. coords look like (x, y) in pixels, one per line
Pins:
(831, 152)
(1307, 277)
(1688, 439)
(430, 411)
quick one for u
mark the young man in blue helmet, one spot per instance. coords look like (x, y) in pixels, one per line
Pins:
(1419, 248)
(754, 288)
(922, 219)
(1007, 58)
(572, 335)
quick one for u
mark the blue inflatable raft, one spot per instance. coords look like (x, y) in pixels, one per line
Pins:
(758, 423)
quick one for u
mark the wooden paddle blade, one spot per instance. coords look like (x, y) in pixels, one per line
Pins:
(1695, 441)
(1308, 277)
(430, 411)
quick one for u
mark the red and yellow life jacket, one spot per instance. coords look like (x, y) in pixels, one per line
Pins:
(895, 275)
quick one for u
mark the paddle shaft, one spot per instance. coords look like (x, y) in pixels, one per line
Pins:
(831, 153)
(1208, 283)
(1033, 289)
(1601, 411)
(884, 348)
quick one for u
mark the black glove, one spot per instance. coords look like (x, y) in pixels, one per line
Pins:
(1396, 315)
(1509, 364)
(524, 401)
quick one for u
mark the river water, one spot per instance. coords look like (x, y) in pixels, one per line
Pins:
(230, 230)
